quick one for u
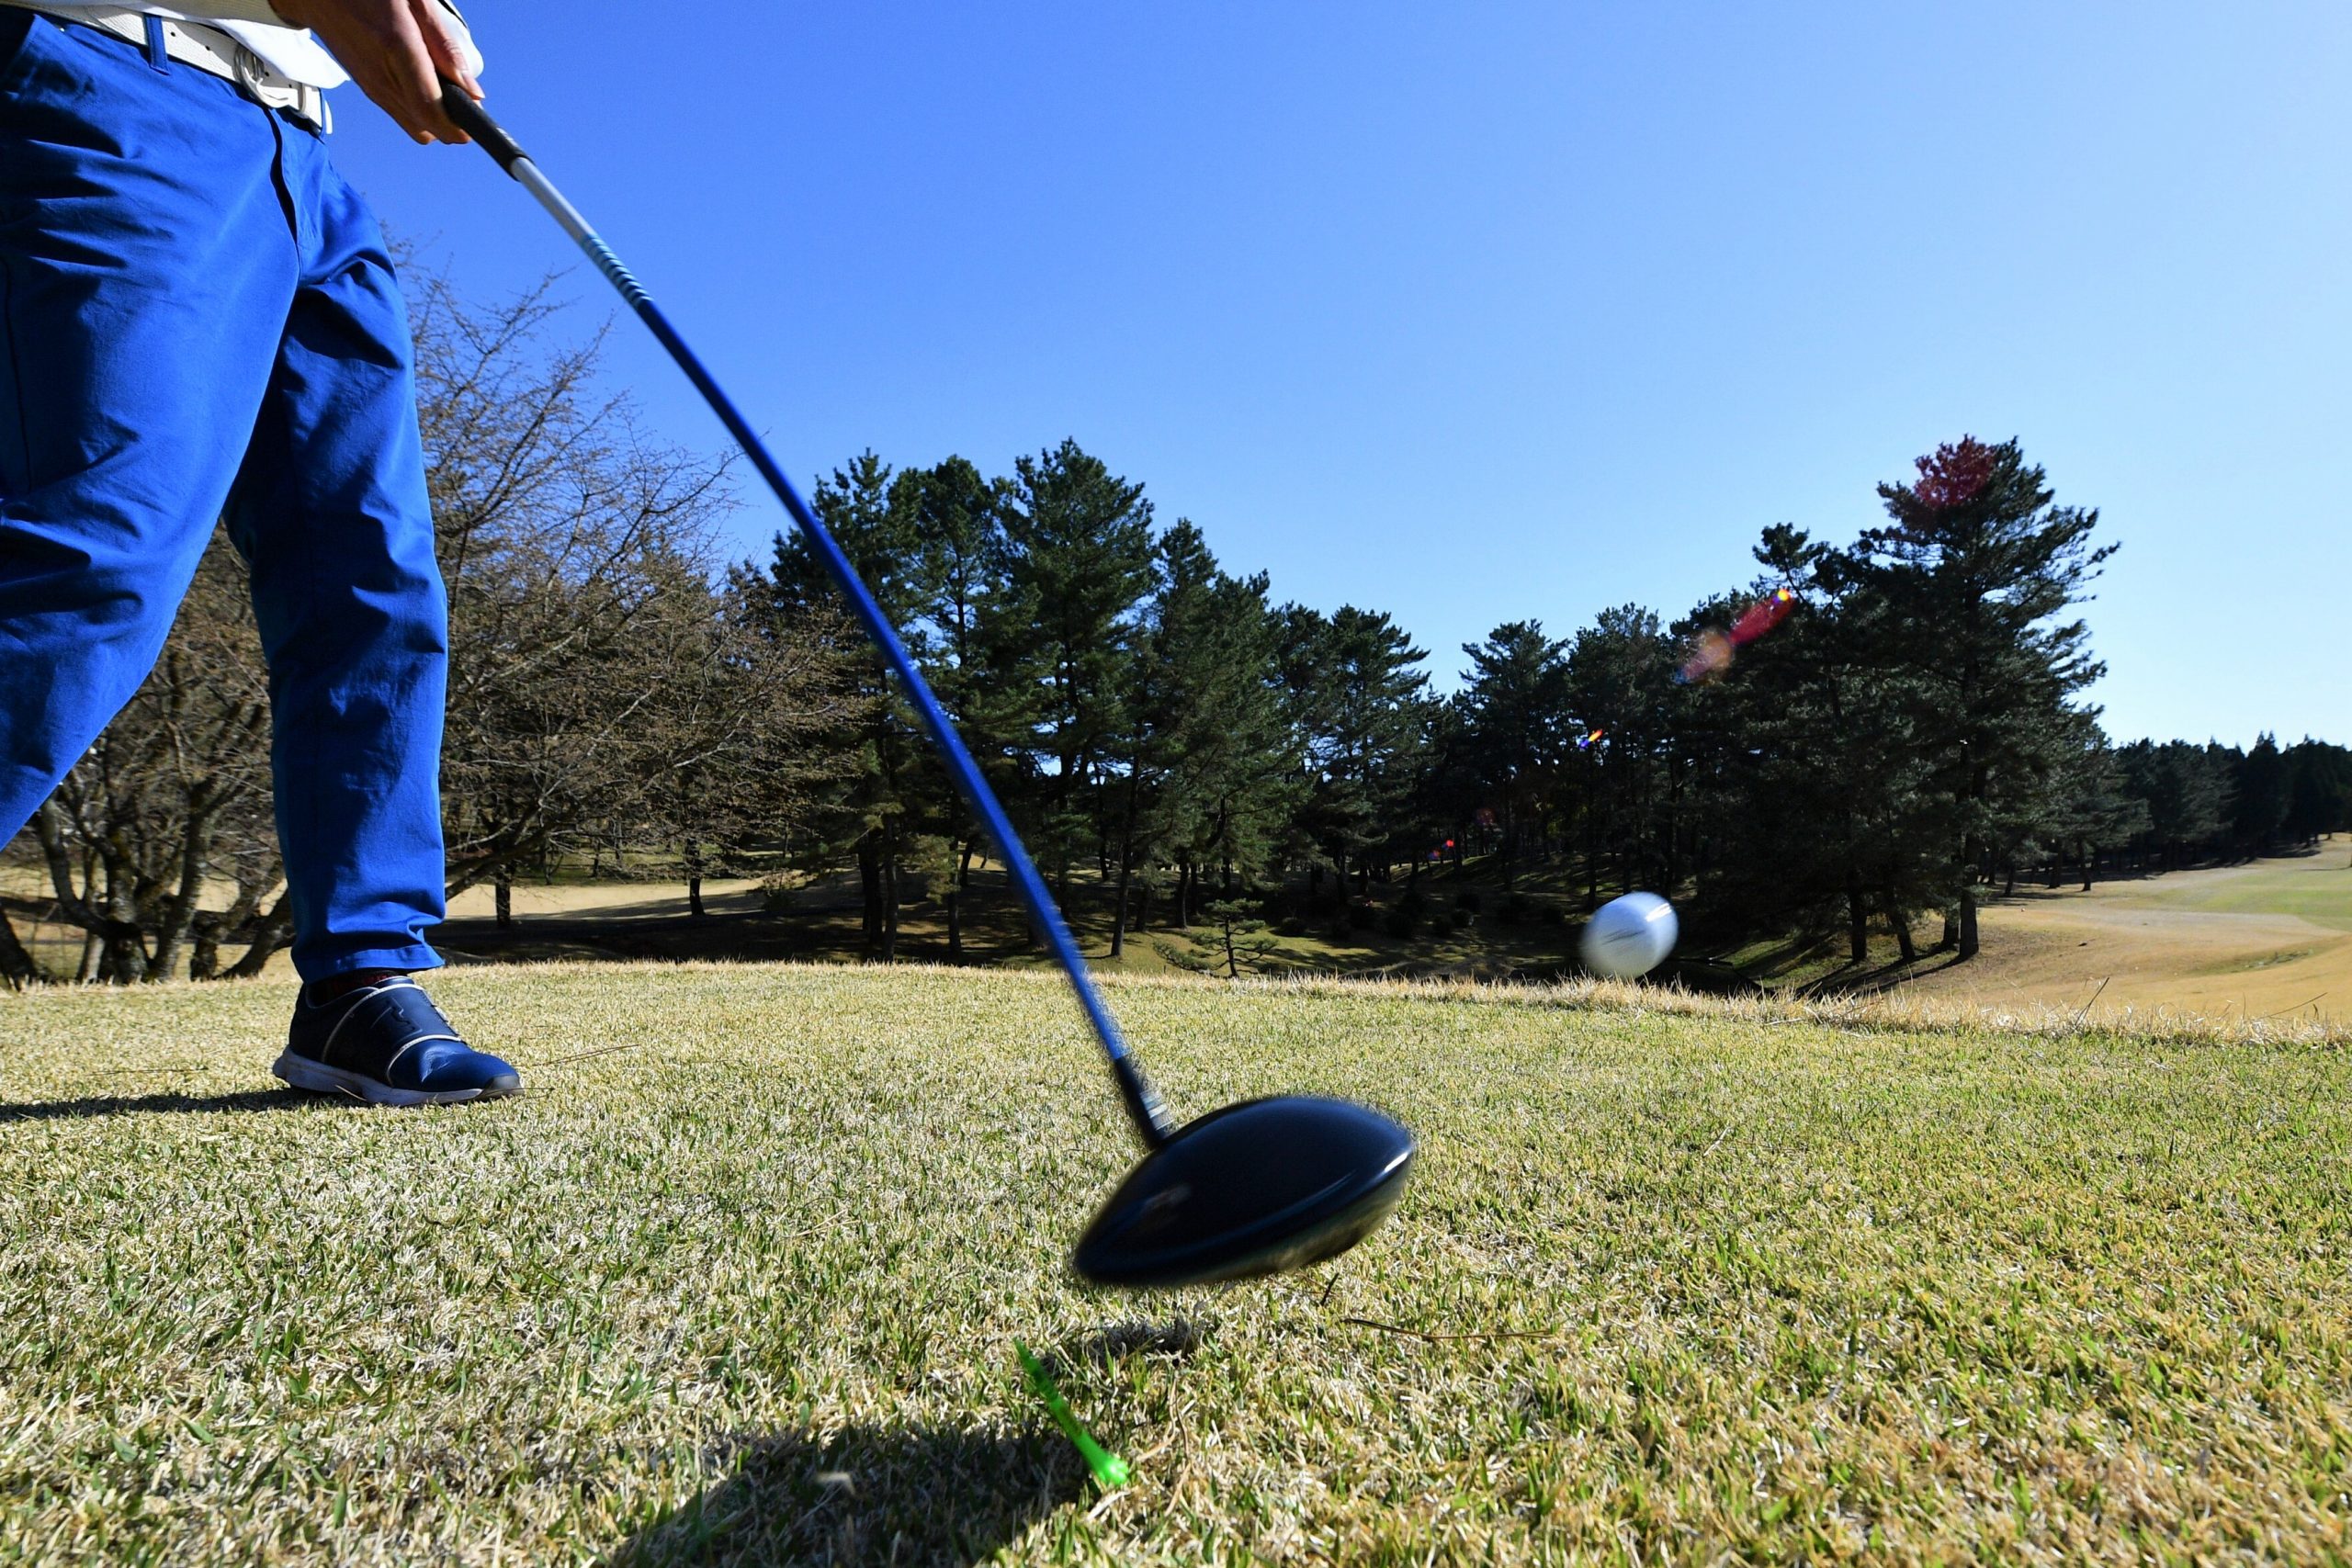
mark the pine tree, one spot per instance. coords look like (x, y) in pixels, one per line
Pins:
(1619, 679)
(1964, 595)
(2094, 808)
(1234, 939)
(972, 635)
(2187, 795)
(870, 510)
(1359, 701)
(1515, 706)
(1082, 567)
(1212, 766)
(2263, 798)
(2319, 793)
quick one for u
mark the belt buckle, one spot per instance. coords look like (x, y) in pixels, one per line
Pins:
(306, 103)
(255, 76)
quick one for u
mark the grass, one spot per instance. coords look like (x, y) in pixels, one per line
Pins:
(2267, 939)
(1788, 1285)
(2317, 888)
(647, 920)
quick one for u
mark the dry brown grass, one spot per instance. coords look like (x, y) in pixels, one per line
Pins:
(2270, 938)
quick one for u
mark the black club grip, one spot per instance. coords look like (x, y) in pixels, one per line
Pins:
(474, 120)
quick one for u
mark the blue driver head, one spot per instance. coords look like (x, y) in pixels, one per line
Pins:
(1259, 1188)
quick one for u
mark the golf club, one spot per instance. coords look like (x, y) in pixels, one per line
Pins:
(1254, 1189)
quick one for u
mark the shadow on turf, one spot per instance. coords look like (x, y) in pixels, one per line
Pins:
(867, 1496)
(181, 1104)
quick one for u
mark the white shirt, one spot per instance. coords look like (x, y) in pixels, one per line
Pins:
(289, 51)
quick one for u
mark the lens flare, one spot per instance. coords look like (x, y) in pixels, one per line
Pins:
(1713, 650)
(1762, 617)
(1710, 657)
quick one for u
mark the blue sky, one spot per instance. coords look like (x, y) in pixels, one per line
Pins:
(1484, 311)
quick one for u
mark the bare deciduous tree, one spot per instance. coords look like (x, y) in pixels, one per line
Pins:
(598, 675)
(599, 678)
(171, 803)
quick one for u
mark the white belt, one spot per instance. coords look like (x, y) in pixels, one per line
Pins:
(207, 49)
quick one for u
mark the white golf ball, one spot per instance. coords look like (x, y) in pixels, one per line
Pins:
(1630, 936)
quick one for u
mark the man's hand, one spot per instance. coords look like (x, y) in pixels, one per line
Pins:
(397, 50)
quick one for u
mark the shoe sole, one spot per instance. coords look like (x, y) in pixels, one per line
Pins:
(319, 1078)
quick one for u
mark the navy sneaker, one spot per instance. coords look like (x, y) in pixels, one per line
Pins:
(387, 1045)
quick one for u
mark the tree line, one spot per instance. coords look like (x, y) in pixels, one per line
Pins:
(1861, 735)
(1910, 732)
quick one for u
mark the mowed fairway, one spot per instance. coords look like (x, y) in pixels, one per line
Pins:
(745, 1289)
(2272, 938)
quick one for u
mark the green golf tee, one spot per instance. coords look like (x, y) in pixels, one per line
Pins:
(1109, 1468)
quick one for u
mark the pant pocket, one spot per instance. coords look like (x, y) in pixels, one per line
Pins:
(29, 61)
(16, 43)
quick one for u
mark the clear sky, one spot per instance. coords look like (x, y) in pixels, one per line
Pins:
(1477, 312)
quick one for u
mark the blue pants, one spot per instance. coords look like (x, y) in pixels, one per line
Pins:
(200, 321)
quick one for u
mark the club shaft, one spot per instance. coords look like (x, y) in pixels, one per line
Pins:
(1142, 1103)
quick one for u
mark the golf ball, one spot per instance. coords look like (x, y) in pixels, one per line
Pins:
(1630, 936)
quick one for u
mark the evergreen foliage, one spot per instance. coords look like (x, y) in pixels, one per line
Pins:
(1858, 738)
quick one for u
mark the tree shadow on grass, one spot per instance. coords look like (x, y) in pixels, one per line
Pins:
(181, 1104)
(1877, 980)
(866, 1496)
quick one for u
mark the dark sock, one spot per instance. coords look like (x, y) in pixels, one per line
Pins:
(320, 992)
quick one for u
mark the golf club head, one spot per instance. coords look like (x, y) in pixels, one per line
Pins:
(1259, 1188)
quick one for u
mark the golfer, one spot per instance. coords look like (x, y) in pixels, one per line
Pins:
(199, 321)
